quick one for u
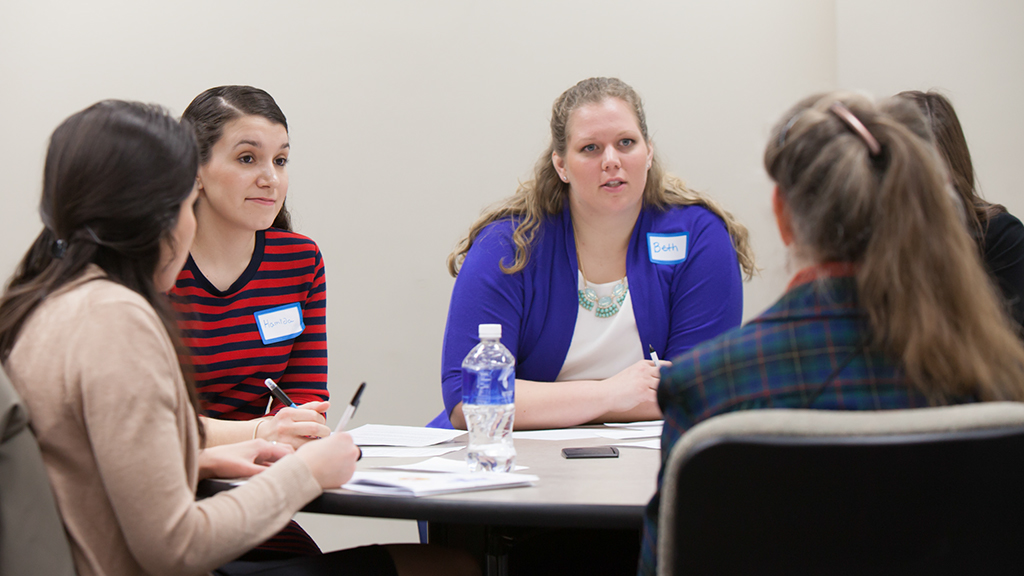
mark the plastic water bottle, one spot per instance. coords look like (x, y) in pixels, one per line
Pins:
(488, 402)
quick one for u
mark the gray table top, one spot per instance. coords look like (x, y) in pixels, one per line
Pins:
(597, 493)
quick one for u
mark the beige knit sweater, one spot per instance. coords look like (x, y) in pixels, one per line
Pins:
(118, 435)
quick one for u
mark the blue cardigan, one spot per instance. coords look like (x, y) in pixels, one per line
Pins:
(677, 305)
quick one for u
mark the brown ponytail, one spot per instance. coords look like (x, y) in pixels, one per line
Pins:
(928, 300)
(115, 177)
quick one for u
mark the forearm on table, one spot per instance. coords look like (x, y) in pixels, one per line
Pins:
(215, 530)
(551, 404)
(220, 432)
(642, 413)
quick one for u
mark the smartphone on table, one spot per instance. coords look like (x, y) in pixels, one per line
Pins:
(591, 452)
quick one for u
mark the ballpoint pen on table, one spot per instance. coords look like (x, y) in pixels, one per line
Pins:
(654, 356)
(279, 394)
(351, 409)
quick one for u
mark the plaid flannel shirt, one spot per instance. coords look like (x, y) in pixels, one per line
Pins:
(779, 360)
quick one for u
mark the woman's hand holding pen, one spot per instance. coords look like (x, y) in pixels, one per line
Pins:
(331, 459)
(296, 426)
(241, 459)
(634, 385)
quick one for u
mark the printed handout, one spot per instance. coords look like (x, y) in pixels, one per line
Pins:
(387, 435)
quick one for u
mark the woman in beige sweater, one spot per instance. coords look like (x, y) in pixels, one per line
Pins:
(87, 339)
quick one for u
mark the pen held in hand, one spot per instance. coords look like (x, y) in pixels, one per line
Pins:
(276, 392)
(351, 409)
(654, 356)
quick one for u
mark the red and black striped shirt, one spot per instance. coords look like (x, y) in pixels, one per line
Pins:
(219, 327)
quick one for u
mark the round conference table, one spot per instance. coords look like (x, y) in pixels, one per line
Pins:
(597, 493)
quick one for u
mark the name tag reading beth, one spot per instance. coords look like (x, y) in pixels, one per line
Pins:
(281, 323)
(667, 248)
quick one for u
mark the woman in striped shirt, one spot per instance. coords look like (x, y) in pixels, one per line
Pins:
(252, 296)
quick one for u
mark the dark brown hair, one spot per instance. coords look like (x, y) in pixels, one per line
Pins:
(115, 177)
(213, 109)
(929, 302)
(948, 137)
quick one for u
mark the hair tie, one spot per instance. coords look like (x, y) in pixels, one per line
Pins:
(848, 118)
(59, 248)
(92, 234)
(785, 129)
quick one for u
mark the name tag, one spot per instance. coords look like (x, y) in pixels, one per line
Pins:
(667, 248)
(281, 323)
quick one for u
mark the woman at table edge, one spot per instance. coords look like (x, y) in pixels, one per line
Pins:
(246, 260)
(890, 308)
(116, 418)
(999, 234)
(598, 208)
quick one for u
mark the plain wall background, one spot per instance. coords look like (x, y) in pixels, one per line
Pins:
(408, 118)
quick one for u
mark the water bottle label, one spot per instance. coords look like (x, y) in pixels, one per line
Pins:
(494, 386)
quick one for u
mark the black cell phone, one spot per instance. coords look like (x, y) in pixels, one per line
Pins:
(591, 452)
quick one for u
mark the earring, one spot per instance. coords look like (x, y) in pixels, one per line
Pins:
(564, 178)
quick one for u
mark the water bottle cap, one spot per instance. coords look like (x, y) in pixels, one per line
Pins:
(489, 331)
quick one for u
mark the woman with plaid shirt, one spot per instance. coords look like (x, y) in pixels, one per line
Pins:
(890, 308)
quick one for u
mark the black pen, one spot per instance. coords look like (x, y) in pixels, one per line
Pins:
(654, 356)
(279, 394)
(351, 409)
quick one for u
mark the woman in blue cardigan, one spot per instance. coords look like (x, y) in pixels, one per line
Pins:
(598, 259)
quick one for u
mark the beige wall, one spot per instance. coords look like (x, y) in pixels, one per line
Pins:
(407, 118)
(971, 51)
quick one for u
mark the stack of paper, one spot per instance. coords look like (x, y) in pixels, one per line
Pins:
(647, 424)
(653, 444)
(416, 484)
(384, 435)
(650, 430)
(626, 431)
(379, 440)
(406, 451)
(440, 465)
(556, 434)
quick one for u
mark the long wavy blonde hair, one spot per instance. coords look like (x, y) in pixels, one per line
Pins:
(546, 193)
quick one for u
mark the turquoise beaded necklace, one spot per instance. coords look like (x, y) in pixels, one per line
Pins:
(605, 306)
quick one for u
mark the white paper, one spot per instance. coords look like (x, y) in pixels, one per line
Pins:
(556, 434)
(407, 452)
(645, 424)
(653, 443)
(385, 435)
(629, 433)
(439, 465)
(401, 483)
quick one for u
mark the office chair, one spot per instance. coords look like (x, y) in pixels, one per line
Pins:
(32, 538)
(926, 491)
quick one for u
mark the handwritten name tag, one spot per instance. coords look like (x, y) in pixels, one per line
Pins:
(281, 323)
(667, 248)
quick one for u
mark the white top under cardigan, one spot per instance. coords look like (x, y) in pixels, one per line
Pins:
(602, 347)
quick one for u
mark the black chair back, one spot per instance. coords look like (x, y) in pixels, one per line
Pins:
(32, 537)
(943, 502)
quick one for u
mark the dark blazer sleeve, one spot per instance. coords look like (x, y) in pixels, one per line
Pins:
(1004, 259)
